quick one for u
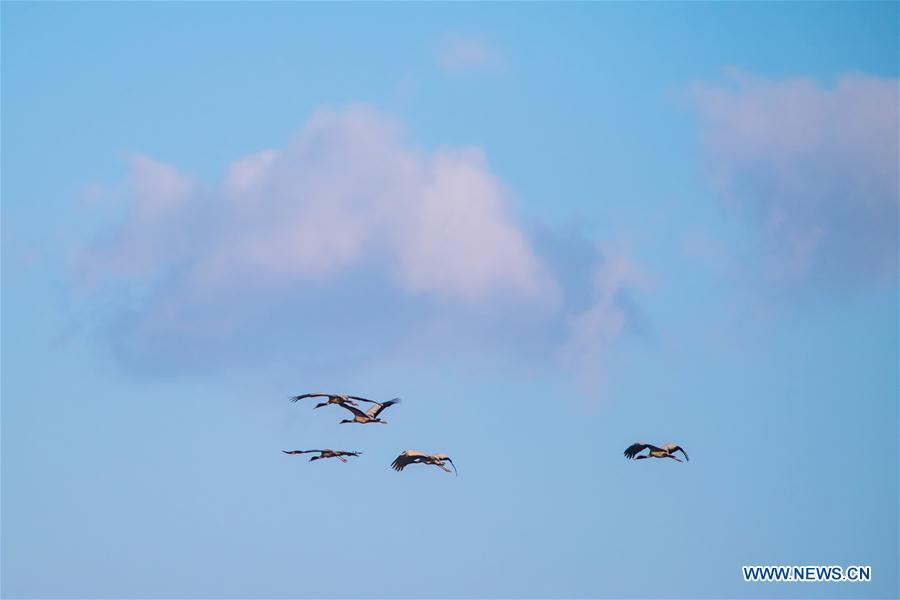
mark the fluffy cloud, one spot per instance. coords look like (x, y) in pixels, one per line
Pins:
(350, 237)
(816, 168)
(347, 190)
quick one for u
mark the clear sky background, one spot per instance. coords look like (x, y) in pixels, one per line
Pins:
(553, 230)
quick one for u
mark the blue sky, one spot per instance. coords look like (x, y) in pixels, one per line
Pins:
(553, 230)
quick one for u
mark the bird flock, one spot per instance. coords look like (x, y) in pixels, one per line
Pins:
(411, 457)
(407, 457)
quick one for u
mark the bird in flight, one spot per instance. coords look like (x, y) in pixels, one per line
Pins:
(666, 451)
(326, 453)
(371, 415)
(340, 399)
(408, 457)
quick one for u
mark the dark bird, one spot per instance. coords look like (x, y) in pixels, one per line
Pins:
(326, 453)
(340, 399)
(371, 415)
(655, 451)
(408, 457)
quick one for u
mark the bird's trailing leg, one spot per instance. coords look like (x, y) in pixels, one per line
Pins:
(673, 458)
(641, 457)
(342, 459)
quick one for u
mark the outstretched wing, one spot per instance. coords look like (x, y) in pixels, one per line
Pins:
(302, 396)
(353, 409)
(362, 399)
(673, 448)
(300, 451)
(376, 410)
(407, 457)
(632, 450)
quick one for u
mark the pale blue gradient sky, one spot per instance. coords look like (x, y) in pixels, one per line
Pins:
(145, 463)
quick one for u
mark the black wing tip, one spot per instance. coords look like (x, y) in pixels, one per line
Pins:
(632, 450)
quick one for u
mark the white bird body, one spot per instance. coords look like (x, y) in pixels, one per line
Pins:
(665, 451)
(408, 457)
(325, 453)
(339, 399)
(371, 415)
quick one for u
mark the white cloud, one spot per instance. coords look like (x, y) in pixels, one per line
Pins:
(248, 172)
(348, 189)
(459, 240)
(354, 238)
(816, 167)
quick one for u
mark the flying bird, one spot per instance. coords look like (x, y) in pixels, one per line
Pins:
(655, 451)
(408, 457)
(371, 415)
(340, 399)
(326, 453)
